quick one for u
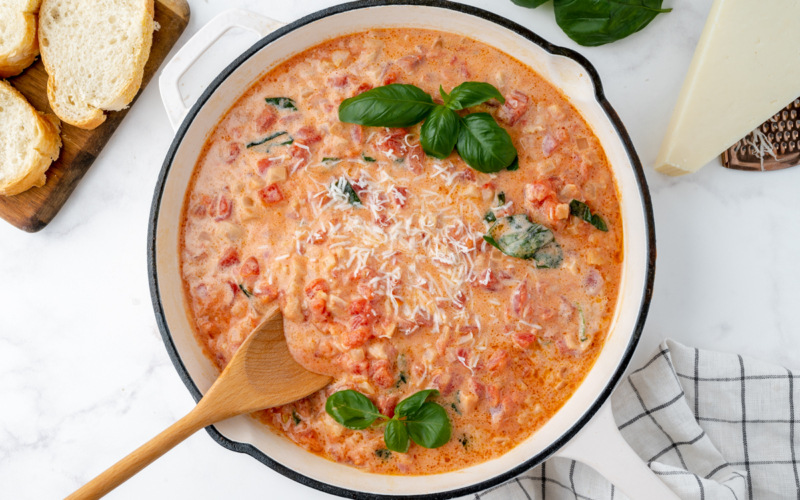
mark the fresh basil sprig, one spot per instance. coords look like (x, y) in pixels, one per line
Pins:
(581, 210)
(594, 22)
(415, 419)
(517, 236)
(482, 143)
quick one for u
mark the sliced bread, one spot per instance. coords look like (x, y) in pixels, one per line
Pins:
(29, 142)
(18, 47)
(94, 53)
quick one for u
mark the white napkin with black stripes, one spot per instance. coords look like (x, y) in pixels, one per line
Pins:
(711, 425)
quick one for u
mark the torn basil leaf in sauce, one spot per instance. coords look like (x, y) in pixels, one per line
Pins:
(517, 236)
(470, 94)
(415, 419)
(341, 188)
(244, 290)
(581, 210)
(281, 103)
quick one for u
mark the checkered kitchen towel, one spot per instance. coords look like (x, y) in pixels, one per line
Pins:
(711, 425)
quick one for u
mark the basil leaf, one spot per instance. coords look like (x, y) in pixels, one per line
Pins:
(352, 409)
(517, 236)
(581, 210)
(531, 4)
(429, 427)
(549, 256)
(597, 22)
(327, 159)
(265, 139)
(347, 188)
(484, 145)
(394, 105)
(396, 436)
(440, 132)
(470, 94)
(383, 454)
(281, 103)
(490, 216)
(413, 403)
(514, 165)
(368, 159)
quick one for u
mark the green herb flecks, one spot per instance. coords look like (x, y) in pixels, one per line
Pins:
(593, 22)
(341, 188)
(281, 103)
(296, 418)
(581, 210)
(517, 236)
(482, 143)
(244, 290)
(383, 453)
(464, 440)
(266, 139)
(368, 159)
(329, 159)
(401, 379)
(415, 419)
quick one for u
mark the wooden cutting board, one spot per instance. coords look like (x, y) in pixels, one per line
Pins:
(35, 208)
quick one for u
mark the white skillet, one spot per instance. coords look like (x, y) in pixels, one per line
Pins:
(584, 428)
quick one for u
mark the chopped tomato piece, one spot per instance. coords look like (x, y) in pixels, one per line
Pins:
(266, 292)
(338, 81)
(524, 339)
(266, 119)
(498, 361)
(519, 299)
(362, 88)
(415, 158)
(359, 306)
(390, 77)
(380, 371)
(234, 287)
(387, 403)
(229, 257)
(249, 268)
(357, 134)
(307, 135)
(319, 285)
(515, 106)
(233, 152)
(400, 196)
(539, 191)
(392, 143)
(270, 194)
(318, 307)
(300, 156)
(488, 280)
(356, 338)
(223, 209)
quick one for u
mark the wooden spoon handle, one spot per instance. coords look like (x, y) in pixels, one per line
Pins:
(142, 456)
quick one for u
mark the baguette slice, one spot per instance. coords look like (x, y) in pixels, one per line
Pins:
(94, 53)
(29, 142)
(18, 47)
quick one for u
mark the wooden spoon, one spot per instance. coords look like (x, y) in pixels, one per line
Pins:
(262, 374)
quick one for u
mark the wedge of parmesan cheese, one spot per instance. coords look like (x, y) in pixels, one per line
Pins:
(745, 69)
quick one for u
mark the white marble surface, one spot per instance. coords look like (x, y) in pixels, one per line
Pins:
(85, 378)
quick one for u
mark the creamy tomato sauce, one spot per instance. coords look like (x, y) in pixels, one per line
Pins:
(400, 292)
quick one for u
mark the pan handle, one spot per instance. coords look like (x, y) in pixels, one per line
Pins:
(170, 77)
(601, 446)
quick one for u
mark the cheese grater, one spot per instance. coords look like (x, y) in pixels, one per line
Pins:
(782, 130)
